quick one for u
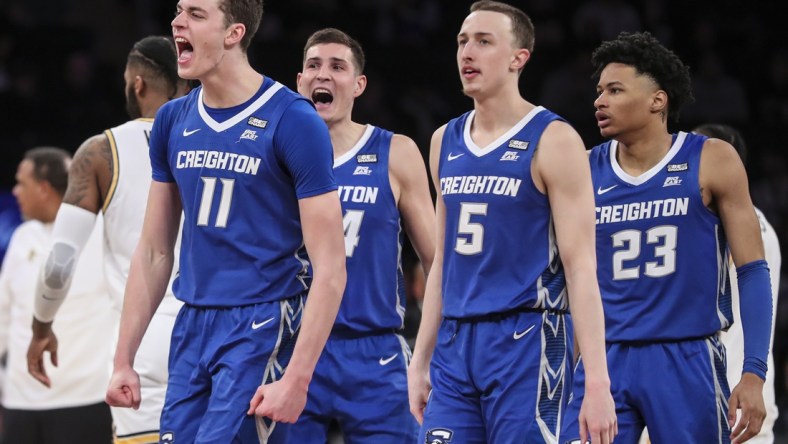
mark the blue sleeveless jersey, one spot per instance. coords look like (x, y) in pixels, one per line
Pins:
(374, 296)
(500, 250)
(240, 172)
(661, 253)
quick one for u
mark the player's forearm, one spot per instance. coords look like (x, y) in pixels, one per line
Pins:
(72, 228)
(589, 324)
(430, 320)
(755, 302)
(145, 288)
(320, 311)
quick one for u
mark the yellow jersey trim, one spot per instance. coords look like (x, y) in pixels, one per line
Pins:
(115, 170)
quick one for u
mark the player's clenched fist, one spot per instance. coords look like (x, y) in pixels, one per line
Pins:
(281, 401)
(124, 389)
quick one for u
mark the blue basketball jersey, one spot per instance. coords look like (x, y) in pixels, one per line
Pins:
(240, 172)
(500, 250)
(661, 252)
(374, 296)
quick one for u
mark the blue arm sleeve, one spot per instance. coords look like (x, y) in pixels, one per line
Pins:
(755, 305)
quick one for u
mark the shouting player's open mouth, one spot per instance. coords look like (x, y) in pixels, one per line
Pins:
(185, 50)
(322, 98)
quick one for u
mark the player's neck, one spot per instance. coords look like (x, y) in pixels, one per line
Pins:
(638, 153)
(148, 110)
(344, 135)
(498, 113)
(230, 85)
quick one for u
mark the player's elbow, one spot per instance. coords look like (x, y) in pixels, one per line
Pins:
(60, 266)
(149, 252)
(579, 267)
(338, 279)
(331, 277)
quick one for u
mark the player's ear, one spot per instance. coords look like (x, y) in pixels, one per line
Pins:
(361, 85)
(45, 188)
(235, 33)
(519, 58)
(659, 102)
(139, 86)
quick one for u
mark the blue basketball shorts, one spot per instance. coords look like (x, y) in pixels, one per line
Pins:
(678, 389)
(498, 379)
(360, 382)
(218, 358)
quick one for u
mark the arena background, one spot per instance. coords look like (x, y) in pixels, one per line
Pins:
(61, 67)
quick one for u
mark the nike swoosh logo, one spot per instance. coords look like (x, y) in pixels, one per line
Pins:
(517, 336)
(387, 360)
(600, 191)
(189, 133)
(48, 298)
(255, 325)
(454, 156)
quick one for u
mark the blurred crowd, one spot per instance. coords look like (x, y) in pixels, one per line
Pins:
(61, 75)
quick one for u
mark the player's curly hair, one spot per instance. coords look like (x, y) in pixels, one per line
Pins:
(644, 53)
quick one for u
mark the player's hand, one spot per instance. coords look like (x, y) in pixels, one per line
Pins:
(419, 387)
(280, 401)
(747, 396)
(43, 340)
(598, 421)
(124, 388)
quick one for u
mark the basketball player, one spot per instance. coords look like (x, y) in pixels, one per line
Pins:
(249, 162)
(733, 338)
(361, 378)
(515, 190)
(71, 407)
(111, 173)
(668, 207)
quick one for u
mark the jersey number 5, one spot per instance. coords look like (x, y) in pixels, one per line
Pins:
(473, 241)
(664, 237)
(206, 201)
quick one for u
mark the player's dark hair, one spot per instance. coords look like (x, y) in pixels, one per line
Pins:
(726, 133)
(522, 27)
(643, 52)
(247, 12)
(333, 35)
(50, 164)
(157, 56)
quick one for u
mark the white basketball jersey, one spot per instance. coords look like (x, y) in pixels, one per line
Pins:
(124, 208)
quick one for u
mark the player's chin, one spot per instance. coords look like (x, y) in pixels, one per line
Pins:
(470, 91)
(187, 73)
(607, 132)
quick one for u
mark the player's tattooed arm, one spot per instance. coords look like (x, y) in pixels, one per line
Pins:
(73, 225)
(90, 174)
